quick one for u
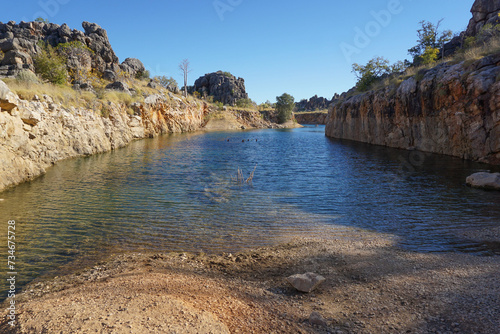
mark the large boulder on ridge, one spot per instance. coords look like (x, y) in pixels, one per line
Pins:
(223, 86)
(133, 67)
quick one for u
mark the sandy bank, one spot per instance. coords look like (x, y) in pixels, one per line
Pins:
(371, 287)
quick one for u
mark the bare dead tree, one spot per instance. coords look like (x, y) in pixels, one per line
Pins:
(184, 67)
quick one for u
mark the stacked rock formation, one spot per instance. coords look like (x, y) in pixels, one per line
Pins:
(315, 103)
(223, 86)
(19, 45)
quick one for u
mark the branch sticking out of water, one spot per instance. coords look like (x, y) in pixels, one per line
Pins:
(240, 180)
(249, 180)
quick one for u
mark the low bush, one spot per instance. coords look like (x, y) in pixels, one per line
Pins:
(50, 65)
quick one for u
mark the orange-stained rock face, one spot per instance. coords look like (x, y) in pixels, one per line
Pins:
(36, 134)
(452, 109)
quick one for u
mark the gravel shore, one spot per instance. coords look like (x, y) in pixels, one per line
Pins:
(371, 286)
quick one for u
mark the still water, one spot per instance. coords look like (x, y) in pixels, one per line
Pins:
(179, 193)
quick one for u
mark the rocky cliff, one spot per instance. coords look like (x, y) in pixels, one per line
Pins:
(311, 117)
(223, 86)
(450, 109)
(36, 134)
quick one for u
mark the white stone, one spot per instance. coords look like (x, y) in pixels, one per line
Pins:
(30, 116)
(484, 180)
(306, 282)
(8, 100)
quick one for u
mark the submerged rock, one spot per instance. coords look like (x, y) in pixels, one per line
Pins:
(483, 180)
(306, 282)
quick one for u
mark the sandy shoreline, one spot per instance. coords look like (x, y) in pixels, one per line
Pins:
(371, 286)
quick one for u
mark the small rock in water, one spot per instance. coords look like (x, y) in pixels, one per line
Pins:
(484, 180)
(316, 319)
(306, 282)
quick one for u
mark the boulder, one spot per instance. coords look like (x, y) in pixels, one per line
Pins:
(316, 319)
(483, 180)
(9, 44)
(153, 84)
(305, 282)
(109, 75)
(14, 57)
(223, 86)
(153, 99)
(133, 66)
(8, 100)
(119, 86)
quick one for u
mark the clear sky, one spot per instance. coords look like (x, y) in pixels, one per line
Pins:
(299, 47)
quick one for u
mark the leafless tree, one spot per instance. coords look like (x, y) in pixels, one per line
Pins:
(184, 67)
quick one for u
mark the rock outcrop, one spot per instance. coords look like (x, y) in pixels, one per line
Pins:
(311, 117)
(449, 109)
(36, 134)
(19, 43)
(223, 86)
(483, 12)
(315, 103)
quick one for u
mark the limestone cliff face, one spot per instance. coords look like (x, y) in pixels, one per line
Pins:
(450, 109)
(36, 134)
(311, 118)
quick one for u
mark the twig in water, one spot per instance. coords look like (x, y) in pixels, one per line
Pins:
(249, 180)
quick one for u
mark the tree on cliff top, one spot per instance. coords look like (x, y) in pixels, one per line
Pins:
(430, 41)
(284, 106)
(374, 70)
(184, 67)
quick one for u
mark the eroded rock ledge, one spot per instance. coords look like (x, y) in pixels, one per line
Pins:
(36, 134)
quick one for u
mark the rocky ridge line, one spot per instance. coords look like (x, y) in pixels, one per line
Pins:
(19, 44)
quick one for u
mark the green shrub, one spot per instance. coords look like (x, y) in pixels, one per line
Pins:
(429, 56)
(50, 65)
(166, 82)
(219, 105)
(142, 75)
(41, 19)
(227, 74)
(245, 103)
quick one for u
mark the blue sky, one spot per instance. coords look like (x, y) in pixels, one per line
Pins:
(299, 47)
